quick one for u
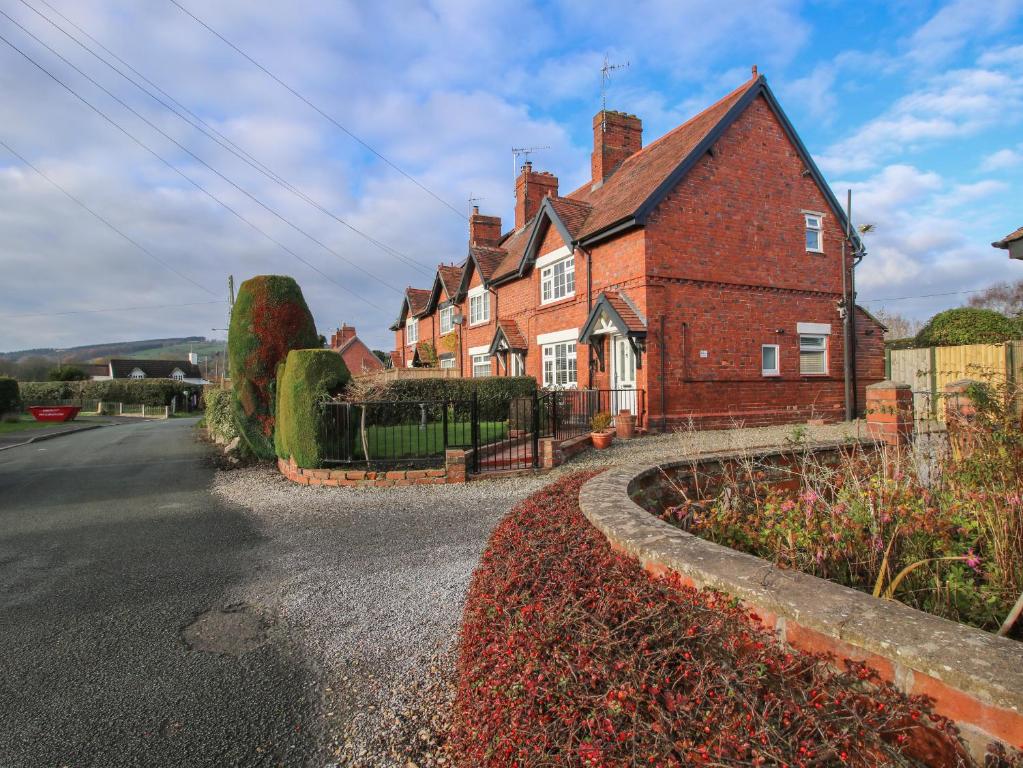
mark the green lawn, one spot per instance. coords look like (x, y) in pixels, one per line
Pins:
(409, 440)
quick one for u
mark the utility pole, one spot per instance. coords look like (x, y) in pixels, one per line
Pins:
(230, 311)
(846, 312)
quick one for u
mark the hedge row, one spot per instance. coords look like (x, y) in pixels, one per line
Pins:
(494, 393)
(571, 655)
(9, 398)
(144, 392)
(305, 379)
(220, 413)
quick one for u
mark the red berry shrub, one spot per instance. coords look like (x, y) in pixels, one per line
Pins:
(571, 655)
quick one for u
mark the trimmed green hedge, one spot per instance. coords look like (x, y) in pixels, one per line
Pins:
(9, 395)
(494, 393)
(967, 325)
(220, 413)
(304, 380)
(270, 318)
(155, 392)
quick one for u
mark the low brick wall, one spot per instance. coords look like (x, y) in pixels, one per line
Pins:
(453, 471)
(975, 678)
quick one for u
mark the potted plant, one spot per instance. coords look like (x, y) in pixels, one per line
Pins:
(601, 433)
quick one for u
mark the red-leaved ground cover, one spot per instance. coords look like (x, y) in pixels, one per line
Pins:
(571, 655)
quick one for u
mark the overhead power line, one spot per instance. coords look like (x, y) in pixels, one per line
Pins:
(182, 174)
(202, 162)
(114, 309)
(922, 296)
(196, 122)
(313, 106)
(130, 239)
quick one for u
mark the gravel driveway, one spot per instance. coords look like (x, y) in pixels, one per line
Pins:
(371, 584)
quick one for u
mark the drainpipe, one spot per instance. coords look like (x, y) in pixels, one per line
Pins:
(847, 339)
(664, 414)
(589, 308)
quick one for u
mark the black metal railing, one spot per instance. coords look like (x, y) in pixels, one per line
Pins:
(502, 436)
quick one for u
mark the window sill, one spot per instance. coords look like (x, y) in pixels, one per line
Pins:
(556, 302)
(477, 325)
(818, 252)
(770, 375)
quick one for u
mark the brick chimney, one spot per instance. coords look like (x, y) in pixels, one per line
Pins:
(342, 336)
(531, 187)
(616, 136)
(484, 230)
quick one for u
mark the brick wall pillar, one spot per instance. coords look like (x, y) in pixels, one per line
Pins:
(454, 463)
(550, 453)
(890, 412)
(959, 408)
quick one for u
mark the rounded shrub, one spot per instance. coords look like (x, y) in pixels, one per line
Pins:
(270, 318)
(306, 379)
(10, 398)
(967, 325)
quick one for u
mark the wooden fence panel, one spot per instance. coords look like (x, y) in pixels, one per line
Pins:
(913, 367)
(928, 370)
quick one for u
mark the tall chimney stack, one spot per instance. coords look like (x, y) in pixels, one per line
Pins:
(531, 187)
(484, 230)
(616, 136)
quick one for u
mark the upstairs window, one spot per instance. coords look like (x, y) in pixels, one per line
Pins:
(479, 308)
(136, 374)
(177, 374)
(447, 319)
(814, 235)
(557, 281)
(411, 331)
(813, 354)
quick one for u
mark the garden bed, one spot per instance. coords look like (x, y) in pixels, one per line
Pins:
(572, 655)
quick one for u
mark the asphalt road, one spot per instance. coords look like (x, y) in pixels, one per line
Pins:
(110, 546)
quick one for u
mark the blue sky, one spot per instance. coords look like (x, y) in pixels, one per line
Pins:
(916, 106)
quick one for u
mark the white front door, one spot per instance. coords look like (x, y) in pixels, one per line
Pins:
(623, 374)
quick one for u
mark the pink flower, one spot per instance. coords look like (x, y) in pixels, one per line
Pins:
(972, 560)
(788, 505)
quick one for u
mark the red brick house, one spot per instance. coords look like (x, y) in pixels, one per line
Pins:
(704, 269)
(357, 356)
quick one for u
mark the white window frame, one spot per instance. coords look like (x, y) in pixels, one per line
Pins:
(447, 361)
(411, 330)
(478, 361)
(548, 284)
(549, 357)
(479, 306)
(516, 364)
(814, 349)
(177, 374)
(137, 374)
(447, 319)
(764, 370)
(814, 222)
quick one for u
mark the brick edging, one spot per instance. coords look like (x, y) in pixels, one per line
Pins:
(975, 678)
(452, 472)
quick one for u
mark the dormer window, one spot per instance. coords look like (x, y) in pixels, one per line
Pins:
(411, 331)
(137, 373)
(178, 375)
(814, 233)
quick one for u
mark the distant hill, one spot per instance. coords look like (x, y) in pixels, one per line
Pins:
(153, 349)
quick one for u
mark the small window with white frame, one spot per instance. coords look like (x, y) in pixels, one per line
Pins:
(517, 363)
(814, 232)
(557, 281)
(480, 365)
(447, 323)
(177, 374)
(479, 307)
(137, 374)
(813, 354)
(447, 361)
(559, 364)
(769, 360)
(411, 331)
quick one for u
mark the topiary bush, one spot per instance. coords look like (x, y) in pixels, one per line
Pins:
(220, 414)
(306, 379)
(967, 325)
(572, 655)
(494, 393)
(10, 399)
(270, 318)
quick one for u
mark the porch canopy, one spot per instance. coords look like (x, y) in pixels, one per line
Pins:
(507, 338)
(613, 314)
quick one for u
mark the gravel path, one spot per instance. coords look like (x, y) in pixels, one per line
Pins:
(371, 584)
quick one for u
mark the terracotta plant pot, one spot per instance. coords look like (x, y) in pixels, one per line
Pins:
(625, 424)
(602, 440)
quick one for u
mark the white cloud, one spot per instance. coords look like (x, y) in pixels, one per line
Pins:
(1002, 160)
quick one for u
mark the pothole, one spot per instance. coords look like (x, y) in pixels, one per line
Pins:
(232, 631)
